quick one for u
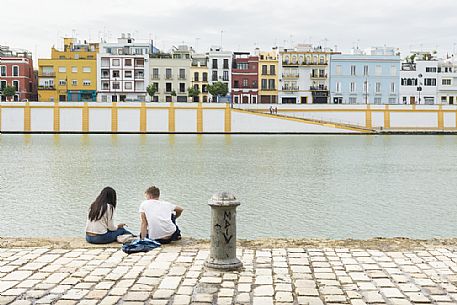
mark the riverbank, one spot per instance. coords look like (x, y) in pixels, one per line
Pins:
(383, 244)
(275, 271)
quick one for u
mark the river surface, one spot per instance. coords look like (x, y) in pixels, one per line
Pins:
(289, 186)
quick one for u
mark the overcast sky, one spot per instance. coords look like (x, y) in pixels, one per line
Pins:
(36, 25)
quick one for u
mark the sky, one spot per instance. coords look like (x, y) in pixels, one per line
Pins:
(38, 25)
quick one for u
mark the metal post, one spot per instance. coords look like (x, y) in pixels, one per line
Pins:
(223, 232)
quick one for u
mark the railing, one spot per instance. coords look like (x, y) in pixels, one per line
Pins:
(312, 75)
(168, 77)
(291, 75)
(47, 74)
(318, 88)
(139, 76)
(181, 77)
(156, 77)
(309, 63)
(46, 88)
(291, 88)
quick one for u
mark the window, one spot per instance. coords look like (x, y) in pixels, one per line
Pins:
(243, 66)
(128, 85)
(116, 73)
(377, 100)
(264, 69)
(156, 85)
(353, 70)
(155, 73)
(168, 73)
(245, 83)
(74, 82)
(62, 69)
(226, 64)
(225, 77)
(264, 84)
(271, 84)
(116, 62)
(430, 82)
(182, 87)
(128, 62)
(214, 76)
(74, 69)
(15, 70)
(128, 74)
(168, 87)
(3, 71)
(378, 70)
(338, 70)
(352, 100)
(353, 88)
(204, 88)
(272, 70)
(139, 62)
(392, 87)
(431, 69)
(393, 71)
(378, 87)
(62, 82)
(446, 82)
(105, 62)
(2, 85)
(236, 84)
(116, 85)
(365, 87)
(86, 82)
(443, 99)
(214, 63)
(182, 73)
(365, 70)
(86, 69)
(338, 87)
(16, 84)
(205, 76)
(196, 76)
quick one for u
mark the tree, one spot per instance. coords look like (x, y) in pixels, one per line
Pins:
(152, 90)
(193, 92)
(173, 95)
(218, 89)
(9, 91)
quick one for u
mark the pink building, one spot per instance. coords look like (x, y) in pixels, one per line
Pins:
(16, 69)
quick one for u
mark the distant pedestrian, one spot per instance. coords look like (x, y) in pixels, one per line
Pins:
(100, 228)
(276, 110)
(271, 109)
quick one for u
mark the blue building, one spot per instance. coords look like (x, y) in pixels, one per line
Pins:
(370, 77)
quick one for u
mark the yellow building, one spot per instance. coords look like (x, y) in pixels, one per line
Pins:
(268, 77)
(70, 74)
(199, 76)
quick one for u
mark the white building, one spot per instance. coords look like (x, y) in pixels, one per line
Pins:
(220, 69)
(418, 79)
(447, 81)
(170, 73)
(303, 75)
(123, 70)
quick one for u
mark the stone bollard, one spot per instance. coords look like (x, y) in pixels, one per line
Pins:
(223, 233)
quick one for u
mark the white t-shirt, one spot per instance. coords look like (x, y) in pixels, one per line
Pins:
(158, 213)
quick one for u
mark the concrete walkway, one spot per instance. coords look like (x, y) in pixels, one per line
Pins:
(176, 275)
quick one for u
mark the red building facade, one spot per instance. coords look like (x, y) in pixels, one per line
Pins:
(245, 76)
(16, 69)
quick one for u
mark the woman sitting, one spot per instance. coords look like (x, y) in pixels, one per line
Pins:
(100, 228)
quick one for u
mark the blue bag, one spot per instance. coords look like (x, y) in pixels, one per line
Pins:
(139, 245)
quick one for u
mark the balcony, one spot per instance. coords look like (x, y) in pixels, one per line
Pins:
(47, 74)
(168, 77)
(318, 88)
(155, 77)
(181, 77)
(305, 63)
(318, 76)
(291, 88)
(291, 75)
(46, 88)
(139, 76)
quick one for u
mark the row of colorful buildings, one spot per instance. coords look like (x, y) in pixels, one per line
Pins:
(121, 71)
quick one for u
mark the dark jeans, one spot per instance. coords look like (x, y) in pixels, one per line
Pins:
(176, 236)
(107, 238)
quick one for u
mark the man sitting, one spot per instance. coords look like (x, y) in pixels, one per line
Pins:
(158, 218)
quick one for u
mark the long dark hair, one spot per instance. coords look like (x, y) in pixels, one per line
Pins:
(100, 205)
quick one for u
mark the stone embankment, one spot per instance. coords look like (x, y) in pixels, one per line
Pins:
(378, 271)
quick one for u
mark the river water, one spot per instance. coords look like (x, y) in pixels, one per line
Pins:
(288, 186)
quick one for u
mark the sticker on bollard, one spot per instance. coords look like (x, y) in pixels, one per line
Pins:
(223, 233)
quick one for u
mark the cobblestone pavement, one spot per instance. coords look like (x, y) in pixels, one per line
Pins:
(176, 275)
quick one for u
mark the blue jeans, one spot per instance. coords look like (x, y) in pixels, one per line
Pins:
(107, 238)
(176, 236)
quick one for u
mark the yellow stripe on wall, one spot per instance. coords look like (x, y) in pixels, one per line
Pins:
(143, 117)
(368, 118)
(200, 118)
(228, 118)
(85, 118)
(56, 117)
(114, 117)
(440, 117)
(171, 118)
(27, 117)
(387, 117)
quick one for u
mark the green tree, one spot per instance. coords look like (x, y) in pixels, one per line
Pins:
(193, 92)
(151, 90)
(9, 91)
(173, 95)
(218, 89)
